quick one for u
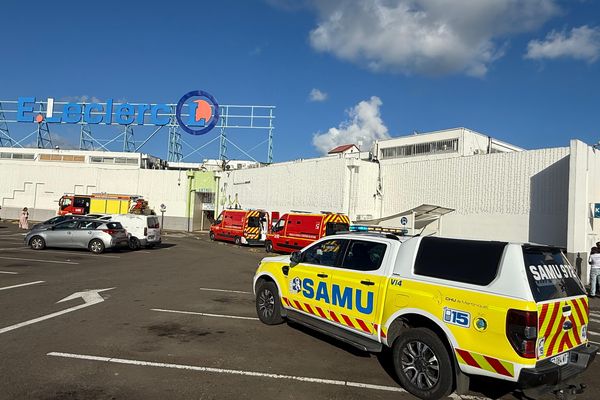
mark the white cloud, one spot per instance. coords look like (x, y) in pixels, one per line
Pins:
(82, 99)
(581, 43)
(317, 95)
(364, 124)
(432, 37)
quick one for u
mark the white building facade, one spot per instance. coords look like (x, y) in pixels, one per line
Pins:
(497, 191)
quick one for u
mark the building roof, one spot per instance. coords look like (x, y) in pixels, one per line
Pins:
(342, 148)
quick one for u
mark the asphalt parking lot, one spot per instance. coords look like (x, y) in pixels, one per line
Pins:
(174, 322)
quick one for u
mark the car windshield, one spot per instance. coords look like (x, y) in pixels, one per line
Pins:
(54, 220)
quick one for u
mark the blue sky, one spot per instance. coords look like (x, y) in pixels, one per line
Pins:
(526, 72)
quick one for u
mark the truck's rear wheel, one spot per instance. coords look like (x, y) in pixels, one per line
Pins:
(423, 364)
(237, 240)
(268, 246)
(134, 243)
(96, 246)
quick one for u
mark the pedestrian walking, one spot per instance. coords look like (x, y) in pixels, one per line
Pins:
(24, 219)
(594, 270)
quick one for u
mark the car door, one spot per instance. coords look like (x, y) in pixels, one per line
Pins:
(356, 285)
(82, 234)
(308, 286)
(60, 235)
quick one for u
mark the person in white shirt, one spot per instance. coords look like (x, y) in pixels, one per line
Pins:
(594, 270)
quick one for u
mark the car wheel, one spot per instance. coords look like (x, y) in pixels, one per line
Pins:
(37, 243)
(268, 247)
(423, 364)
(211, 236)
(134, 243)
(96, 246)
(237, 240)
(268, 305)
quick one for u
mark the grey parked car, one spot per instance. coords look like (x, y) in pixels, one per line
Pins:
(56, 220)
(94, 235)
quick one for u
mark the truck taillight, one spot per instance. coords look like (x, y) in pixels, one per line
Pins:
(521, 331)
(145, 231)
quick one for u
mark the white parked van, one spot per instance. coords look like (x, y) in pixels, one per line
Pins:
(142, 230)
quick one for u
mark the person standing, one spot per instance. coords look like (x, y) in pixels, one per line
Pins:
(24, 219)
(594, 270)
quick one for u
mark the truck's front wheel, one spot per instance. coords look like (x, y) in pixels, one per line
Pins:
(268, 306)
(423, 364)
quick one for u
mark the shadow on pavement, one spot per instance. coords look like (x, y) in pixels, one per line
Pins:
(334, 342)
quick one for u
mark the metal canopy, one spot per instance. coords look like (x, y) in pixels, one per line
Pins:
(420, 217)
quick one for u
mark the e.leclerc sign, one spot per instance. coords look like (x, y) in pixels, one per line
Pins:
(203, 113)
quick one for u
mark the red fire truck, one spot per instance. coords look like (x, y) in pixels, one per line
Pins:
(102, 203)
(294, 231)
(241, 226)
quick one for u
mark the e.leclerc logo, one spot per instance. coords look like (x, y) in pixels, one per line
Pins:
(201, 118)
(202, 112)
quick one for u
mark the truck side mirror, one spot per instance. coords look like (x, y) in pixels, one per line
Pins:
(295, 258)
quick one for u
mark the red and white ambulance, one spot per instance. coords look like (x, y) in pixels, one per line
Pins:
(241, 226)
(295, 230)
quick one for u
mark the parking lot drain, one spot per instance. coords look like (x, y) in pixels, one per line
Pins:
(204, 314)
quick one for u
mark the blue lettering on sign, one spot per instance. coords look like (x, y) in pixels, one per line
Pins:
(457, 317)
(90, 114)
(71, 113)
(25, 105)
(95, 113)
(342, 297)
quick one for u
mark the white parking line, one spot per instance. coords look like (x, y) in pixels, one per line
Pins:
(227, 371)
(593, 333)
(9, 272)
(594, 320)
(37, 260)
(21, 285)
(224, 290)
(205, 314)
(74, 253)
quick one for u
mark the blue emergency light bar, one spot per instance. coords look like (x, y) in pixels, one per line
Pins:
(379, 229)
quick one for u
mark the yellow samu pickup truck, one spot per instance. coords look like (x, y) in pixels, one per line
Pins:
(447, 308)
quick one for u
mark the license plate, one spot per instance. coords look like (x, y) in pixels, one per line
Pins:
(561, 359)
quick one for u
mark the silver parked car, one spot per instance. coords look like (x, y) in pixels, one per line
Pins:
(94, 235)
(56, 220)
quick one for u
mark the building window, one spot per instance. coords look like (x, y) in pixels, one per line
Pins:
(114, 160)
(16, 156)
(421, 149)
(62, 157)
